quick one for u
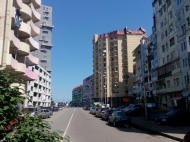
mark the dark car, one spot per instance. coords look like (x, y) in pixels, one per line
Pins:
(107, 113)
(119, 118)
(49, 108)
(120, 107)
(134, 110)
(55, 108)
(175, 117)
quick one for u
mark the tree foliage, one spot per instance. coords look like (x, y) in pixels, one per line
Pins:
(15, 124)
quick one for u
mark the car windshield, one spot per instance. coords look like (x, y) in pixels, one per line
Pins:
(121, 113)
(173, 112)
(109, 111)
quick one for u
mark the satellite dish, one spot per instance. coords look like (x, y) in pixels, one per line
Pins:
(185, 93)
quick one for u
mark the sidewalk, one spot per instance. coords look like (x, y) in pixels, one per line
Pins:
(176, 133)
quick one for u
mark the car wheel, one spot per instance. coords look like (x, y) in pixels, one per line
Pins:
(114, 124)
(108, 122)
(49, 116)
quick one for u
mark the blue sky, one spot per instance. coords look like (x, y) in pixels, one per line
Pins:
(75, 22)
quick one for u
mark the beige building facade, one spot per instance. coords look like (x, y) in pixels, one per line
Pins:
(113, 65)
(16, 37)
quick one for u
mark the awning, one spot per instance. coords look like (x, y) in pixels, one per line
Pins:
(176, 98)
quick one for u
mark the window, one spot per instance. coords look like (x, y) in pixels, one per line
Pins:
(183, 29)
(166, 33)
(183, 62)
(160, 12)
(166, 46)
(168, 83)
(181, 46)
(185, 79)
(163, 60)
(163, 48)
(170, 28)
(45, 41)
(46, 18)
(162, 36)
(168, 58)
(161, 24)
(184, 45)
(188, 21)
(164, 8)
(172, 55)
(45, 32)
(168, 3)
(160, 2)
(172, 41)
(176, 82)
(170, 15)
(187, 7)
(43, 37)
(186, 62)
(44, 8)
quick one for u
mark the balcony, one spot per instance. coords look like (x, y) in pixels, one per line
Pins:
(35, 15)
(21, 88)
(29, 75)
(14, 42)
(26, 12)
(35, 99)
(34, 29)
(31, 60)
(34, 45)
(21, 68)
(17, 3)
(24, 31)
(11, 63)
(36, 3)
(24, 49)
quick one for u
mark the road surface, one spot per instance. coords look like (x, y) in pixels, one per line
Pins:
(81, 126)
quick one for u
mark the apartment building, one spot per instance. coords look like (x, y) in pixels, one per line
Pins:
(77, 94)
(88, 91)
(40, 89)
(17, 34)
(45, 37)
(169, 84)
(113, 65)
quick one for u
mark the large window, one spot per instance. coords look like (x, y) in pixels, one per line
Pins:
(172, 41)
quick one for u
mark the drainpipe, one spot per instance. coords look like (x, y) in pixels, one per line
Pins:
(4, 31)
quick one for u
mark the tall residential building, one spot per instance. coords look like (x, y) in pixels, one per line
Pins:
(40, 89)
(17, 34)
(77, 94)
(45, 37)
(113, 65)
(170, 39)
(88, 91)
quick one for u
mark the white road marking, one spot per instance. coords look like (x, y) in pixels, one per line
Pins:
(68, 124)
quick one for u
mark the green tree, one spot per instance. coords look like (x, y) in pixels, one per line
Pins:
(15, 124)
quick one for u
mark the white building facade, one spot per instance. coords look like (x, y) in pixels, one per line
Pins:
(39, 90)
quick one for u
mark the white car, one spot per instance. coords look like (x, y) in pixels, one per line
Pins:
(93, 111)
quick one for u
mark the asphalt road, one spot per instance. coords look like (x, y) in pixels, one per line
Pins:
(81, 126)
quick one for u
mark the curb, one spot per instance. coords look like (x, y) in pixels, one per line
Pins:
(150, 131)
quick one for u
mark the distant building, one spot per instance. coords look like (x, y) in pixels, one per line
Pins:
(88, 90)
(40, 89)
(113, 65)
(77, 94)
(45, 37)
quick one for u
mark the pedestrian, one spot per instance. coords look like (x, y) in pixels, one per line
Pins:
(187, 137)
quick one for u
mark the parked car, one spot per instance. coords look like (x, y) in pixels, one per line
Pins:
(96, 111)
(100, 112)
(60, 107)
(92, 110)
(175, 117)
(33, 111)
(49, 108)
(120, 108)
(119, 118)
(133, 110)
(45, 113)
(55, 109)
(107, 113)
